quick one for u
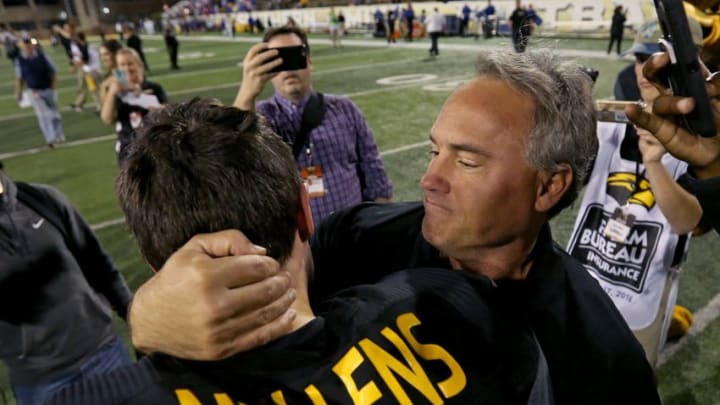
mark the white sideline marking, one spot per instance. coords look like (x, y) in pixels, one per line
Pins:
(703, 317)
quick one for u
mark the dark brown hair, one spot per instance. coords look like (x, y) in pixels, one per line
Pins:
(287, 30)
(199, 167)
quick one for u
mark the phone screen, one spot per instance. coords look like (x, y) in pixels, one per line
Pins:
(121, 77)
(294, 58)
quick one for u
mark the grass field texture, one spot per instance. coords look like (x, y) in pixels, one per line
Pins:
(400, 115)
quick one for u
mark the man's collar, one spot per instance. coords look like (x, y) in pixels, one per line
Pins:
(285, 103)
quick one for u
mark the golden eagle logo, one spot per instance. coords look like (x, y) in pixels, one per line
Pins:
(623, 187)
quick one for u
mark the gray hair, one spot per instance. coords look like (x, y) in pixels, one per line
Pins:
(565, 120)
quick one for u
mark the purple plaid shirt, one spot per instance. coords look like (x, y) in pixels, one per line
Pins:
(342, 145)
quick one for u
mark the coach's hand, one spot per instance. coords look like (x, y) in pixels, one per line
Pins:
(216, 296)
(256, 72)
(703, 154)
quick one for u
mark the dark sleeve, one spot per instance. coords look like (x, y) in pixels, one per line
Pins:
(159, 93)
(362, 244)
(708, 194)
(96, 265)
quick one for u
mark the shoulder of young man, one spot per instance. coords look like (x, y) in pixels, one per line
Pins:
(138, 383)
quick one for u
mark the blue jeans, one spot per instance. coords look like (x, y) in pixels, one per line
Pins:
(108, 357)
(46, 109)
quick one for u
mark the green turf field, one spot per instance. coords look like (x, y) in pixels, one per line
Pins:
(400, 116)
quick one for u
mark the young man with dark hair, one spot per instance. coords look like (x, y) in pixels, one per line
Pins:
(334, 147)
(199, 167)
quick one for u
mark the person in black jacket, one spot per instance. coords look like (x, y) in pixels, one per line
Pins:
(172, 45)
(617, 28)
(386, 343)
(509, 151)
(132, 40)
(56, 281)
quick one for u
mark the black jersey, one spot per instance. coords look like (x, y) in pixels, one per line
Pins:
(422, 337)
(592, 355)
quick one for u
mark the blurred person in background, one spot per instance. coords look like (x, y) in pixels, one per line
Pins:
(132, 40)
(171, 45)
(335, 149)
(617, 29)
(129, 99)
(435, 28)
(108, 50)
(520, 25)
(86, 61)
(36, 71)
(57, 287)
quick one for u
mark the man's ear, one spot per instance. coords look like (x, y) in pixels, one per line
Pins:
(305, 223)
(552, 185)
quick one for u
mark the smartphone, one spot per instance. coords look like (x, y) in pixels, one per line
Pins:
(612, 110)
(293, 58)
(685, 75)
(121, 77)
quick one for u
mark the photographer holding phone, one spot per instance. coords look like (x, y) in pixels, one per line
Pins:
(701, 153)
(334, 148)
(129, 99)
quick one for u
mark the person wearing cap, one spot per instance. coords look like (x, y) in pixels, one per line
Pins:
(635, 220)
(36, 70)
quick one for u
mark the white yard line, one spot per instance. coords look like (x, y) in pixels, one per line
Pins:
(66, 145)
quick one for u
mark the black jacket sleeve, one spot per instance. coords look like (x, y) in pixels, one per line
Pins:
(95, 263)
(362, 244)
(708, 194)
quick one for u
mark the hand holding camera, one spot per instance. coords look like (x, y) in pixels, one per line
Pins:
(262, 64)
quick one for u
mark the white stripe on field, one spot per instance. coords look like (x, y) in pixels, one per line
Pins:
(703, 317)
(65, 145)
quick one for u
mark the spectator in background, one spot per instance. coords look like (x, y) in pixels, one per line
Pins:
(9, 41)
(66, 35)
(520, 25)
(633, 227)
(390, 26)
(108, 50)
(36, 71)
(86, 60)
(533, 18)
(435, 27)
(334, 147)
(341, 24)
(617, 29)
(56, 281)
(132, 40)
(129, 99)
(465, 20)
(172, 45)
(334, 28)
(409, 17)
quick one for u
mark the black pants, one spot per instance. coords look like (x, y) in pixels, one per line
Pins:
(520, 39)
(173, 52)
(434, 43)
(614, 38)
(410, 29)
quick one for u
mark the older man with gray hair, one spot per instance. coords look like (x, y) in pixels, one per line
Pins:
(509, 151)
